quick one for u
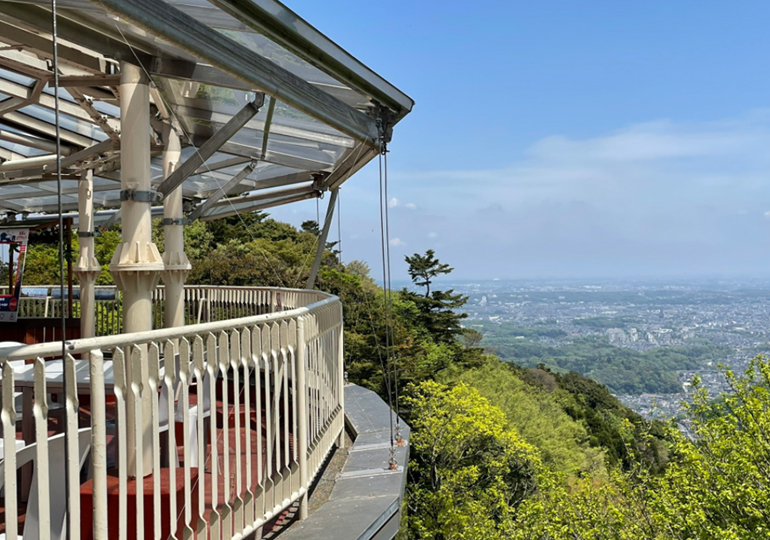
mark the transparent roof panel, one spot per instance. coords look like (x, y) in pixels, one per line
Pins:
(17, 78)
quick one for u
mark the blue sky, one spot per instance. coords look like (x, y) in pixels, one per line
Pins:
(565, 139)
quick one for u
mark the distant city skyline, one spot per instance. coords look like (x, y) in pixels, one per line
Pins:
(566, 140)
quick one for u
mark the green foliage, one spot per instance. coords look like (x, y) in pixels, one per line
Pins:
(497, 333)
(539, 417)
(42, 260)
(311, 226)
(718, 487)
(612, 426)
(469, 469)
(715, 487)
(423, 269)
(41, 266)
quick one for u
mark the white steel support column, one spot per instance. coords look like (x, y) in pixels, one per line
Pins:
(177, 265)
(137, 264)
(322, 240)
(87, 268)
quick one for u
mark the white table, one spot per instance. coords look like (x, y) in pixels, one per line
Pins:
(24, 376)
(24, 379)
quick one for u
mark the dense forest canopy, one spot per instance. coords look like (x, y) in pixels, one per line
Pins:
(519, 448)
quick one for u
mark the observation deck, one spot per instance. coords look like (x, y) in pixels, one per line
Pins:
(168, 411)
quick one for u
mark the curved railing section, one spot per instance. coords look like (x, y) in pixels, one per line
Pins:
(202, 303)
(254, 401)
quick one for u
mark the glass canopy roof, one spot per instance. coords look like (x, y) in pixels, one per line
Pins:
(323, 114)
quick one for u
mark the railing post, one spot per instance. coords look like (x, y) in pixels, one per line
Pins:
(302, 416)
(98, 444)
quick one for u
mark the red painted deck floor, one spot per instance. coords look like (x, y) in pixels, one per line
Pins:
(209, 472)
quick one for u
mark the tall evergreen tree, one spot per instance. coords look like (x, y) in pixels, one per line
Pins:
(436, 308)
(424, 268)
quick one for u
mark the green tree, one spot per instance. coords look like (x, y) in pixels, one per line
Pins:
(437, 310)
(423, 269)
(718, 487)
(311, 226)
(469, 470)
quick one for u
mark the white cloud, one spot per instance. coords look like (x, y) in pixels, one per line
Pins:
(394, 202)
(656, 198)
(397, 242)
(663, 155)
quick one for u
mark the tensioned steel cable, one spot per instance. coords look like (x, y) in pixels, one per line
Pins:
(386, 367)
(67, 434)
(389, 290)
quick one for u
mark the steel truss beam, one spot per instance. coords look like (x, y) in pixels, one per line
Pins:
(267, 126)
(278, 181)
(222, 164)
(40, 44)
(83, 81)
(28, 123)
(226, 190)
(35, 96)
(263, 205)
(15, 169)
(351, 164)
(33, 142)
(268, 195)
(208, 148)
(276, 158)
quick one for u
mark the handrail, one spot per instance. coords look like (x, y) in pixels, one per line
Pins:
(107, 342)
(203, 303)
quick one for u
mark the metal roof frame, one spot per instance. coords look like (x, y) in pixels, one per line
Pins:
(327, 115)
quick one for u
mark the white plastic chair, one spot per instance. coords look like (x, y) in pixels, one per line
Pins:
(204, 404)
(19, 445)
(57, 488)
(18, 365)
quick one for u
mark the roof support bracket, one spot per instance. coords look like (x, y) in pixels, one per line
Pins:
(176, 221)
(140, 196)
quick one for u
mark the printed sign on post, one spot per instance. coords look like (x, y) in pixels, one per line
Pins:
(13, 251)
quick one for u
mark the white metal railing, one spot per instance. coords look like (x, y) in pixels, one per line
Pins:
(203, 303)
(274, 409)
